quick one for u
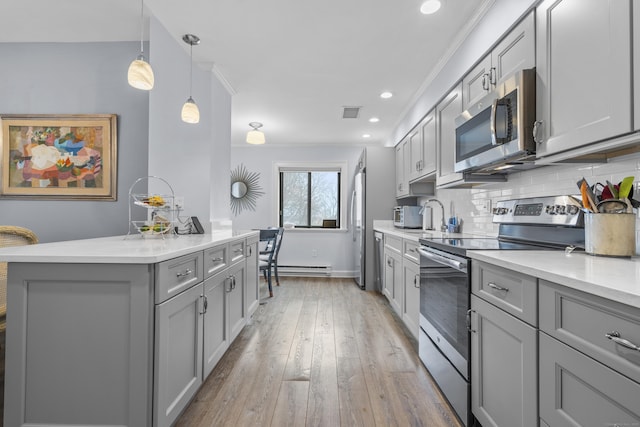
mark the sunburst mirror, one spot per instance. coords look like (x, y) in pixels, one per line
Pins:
(245, 189)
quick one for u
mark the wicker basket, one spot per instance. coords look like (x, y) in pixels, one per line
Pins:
(11, 236)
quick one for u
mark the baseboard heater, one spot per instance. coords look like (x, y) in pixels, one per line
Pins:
(304, 270)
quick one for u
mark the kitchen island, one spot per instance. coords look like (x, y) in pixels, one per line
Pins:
(121, 330)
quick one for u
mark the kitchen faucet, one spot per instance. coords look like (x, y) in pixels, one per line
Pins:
(443, 225)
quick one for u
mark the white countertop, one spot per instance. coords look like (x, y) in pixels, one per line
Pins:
(416, 234)
(617, 279)
(132, 249)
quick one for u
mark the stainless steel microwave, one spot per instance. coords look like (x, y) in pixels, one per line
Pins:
(496, 133)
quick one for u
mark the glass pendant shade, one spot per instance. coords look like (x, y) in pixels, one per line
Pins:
(430, 6)
(140, 74)
(190, 111)
(255, 137)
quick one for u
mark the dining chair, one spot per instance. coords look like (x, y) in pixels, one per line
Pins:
(274, 261)
(265, 259)
(11, 236)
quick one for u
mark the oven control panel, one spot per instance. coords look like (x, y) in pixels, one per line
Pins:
(552, 210)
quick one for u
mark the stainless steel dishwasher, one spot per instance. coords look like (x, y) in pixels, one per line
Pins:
(378, 249)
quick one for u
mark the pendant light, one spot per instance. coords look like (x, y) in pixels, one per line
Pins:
(255, 136)
(430, 6)
(140, 74)
(190, 112)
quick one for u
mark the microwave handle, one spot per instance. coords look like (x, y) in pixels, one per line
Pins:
(494, 112)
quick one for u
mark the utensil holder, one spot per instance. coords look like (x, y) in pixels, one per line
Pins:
(610, 234)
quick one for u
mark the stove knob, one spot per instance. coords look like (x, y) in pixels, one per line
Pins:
(551, 210)
(572, 209)
(503, 211)
(561, 209)
(495, 211)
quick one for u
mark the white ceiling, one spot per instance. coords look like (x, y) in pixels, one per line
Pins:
(291, 64)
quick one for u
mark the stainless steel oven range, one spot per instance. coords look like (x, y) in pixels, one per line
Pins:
(445, 284)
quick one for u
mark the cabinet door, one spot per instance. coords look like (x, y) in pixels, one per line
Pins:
(398, 283)
(504, 377)
(400, 172)
(584, 72)
(575, 390)
(476, 83)
(216, 327)
(389, 265)
(253, 288)
(446, 113)
(236, 300)
(415, 159)
(515, 52)
(428, 135)
(178, 354)
(411, 296)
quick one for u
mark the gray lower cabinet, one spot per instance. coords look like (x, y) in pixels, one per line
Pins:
(79, 345)
(411, 295)
(503, 367)
(178, 354)
(216, 323)
(120, 344)
(589, 361)
(579, 391)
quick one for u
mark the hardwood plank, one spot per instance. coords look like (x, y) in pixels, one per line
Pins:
(298, 366)
(323, 408)
(347, 347)
(291, 407)
(353, 394)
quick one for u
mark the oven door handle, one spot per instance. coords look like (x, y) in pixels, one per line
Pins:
(460, 266)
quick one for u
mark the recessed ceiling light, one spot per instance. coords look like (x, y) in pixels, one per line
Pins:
(366, 135)
(386, 95)
(374, 120)
(429, 7)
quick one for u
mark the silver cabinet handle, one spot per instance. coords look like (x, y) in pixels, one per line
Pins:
(250, 251)
(496, 287)
(185, 273)
(615, 337)
(217, 259)
(485, 86)
(230, 284)
(416, 281)
(492, 76)
(536, 128)
(205, 304)
(238, 251)
(390, 261)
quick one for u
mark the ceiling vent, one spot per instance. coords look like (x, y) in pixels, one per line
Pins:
(350, 112)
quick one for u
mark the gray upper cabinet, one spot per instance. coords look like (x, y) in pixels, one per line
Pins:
(515, 52)
(584, 72)
(422, 141)
(446, 112)
(402, 170)
(415, 153)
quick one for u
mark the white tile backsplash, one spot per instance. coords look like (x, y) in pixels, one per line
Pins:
(543, 181)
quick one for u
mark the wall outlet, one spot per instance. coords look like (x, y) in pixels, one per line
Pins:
(178, 203)
(484, 206)
(314, 253)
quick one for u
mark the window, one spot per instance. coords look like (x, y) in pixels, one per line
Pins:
(310, 197)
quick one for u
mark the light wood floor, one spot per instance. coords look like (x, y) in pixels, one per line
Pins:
(321, 352)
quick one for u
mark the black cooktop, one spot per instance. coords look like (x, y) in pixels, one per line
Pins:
(460, 246)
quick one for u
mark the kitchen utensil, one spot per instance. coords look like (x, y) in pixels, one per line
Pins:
(613, 190)
(598, 189)
(625, 187)
(610, 234)
(583, 185)
(612, 206)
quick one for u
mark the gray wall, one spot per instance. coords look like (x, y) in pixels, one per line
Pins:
(193, 158)
(76, 78)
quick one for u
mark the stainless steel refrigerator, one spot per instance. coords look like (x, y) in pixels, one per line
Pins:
(372, 197)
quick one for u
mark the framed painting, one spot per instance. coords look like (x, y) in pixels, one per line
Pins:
(57, 156)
